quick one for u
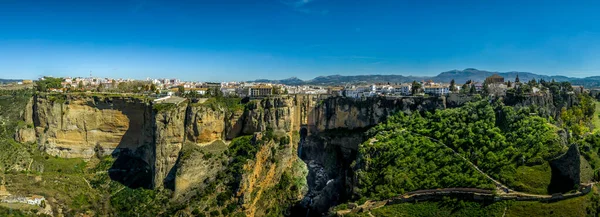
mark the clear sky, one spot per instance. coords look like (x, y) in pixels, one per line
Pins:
(215, 40)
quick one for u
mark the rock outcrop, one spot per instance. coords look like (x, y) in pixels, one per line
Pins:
(569, 170)
(169, 136)
(76, 127)
(205, 124)
(197, 166)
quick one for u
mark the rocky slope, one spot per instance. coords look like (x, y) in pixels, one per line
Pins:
(168, 146)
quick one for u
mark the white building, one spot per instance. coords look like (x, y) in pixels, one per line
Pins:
(357, 92)
(406, 89)
(436, 89)
(35, 200)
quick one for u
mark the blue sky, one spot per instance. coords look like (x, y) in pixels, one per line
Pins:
(216, 40)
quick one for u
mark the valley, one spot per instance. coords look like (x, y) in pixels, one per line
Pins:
(298, 155)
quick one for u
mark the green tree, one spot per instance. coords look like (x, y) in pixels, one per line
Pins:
(100, 88)
(181, 90)
(48, 83)
(416, 87)
(464, 88)
(473, 90)
(452, 86)
(486, 88)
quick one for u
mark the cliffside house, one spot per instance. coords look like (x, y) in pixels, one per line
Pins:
(436, 89)
(406, 89)
(335, 91)
(357, 92)
(260, 91)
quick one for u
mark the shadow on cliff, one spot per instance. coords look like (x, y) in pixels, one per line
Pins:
(133, 155)
(328, 155)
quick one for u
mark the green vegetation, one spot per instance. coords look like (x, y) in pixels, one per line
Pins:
(496, 138)
(231, 104)
(162, 107)
(596, 118)
(399, 162)
(47, 83)
(581, 206)
(590, 150)
(578, 118)
(133, 87)
(9, 212)
(534, 179)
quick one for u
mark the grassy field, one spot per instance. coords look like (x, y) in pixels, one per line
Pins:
(533, 179)
(571, 207)
(596, 118)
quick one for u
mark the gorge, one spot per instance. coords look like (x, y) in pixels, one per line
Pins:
(163, 145)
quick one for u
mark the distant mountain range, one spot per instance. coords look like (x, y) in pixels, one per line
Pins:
(460, 76)
(3, 81)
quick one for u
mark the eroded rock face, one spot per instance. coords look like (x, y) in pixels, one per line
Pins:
(569, 170)
(25, 135)
(272, 113)
(205, 124)
(197, 167)
(348, 113)
(169, 137)
(147, 143)
(77, 126)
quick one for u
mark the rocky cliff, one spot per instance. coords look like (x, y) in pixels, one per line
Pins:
(88, 125)
(72, 126)
(176, 146)
(570, 170)
(169, 136)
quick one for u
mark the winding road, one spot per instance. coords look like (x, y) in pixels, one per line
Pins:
(502, 192)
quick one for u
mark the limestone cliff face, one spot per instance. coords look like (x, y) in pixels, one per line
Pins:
(84, 126)
(205, 124)
(548, 105)
(27, 134)
(258, 188)
(348, 113)
(197, 166)
(169, 133)
(271, 113)
(80, 126)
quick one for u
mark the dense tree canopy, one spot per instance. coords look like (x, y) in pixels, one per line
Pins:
(48, 83)
(493, 136)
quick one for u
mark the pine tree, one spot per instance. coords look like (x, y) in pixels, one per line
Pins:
(473, 90)
(464, 88)
(452, 86)
(517, 79)
(415, 87)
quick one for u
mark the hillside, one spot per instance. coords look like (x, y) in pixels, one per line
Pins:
(3, 81)
(460, 76)
(124, 155)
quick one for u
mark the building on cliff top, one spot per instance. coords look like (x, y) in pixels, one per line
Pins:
(495, 79)
(436, 89)
(260, 91)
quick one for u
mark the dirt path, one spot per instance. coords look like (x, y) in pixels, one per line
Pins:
(502, 191)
